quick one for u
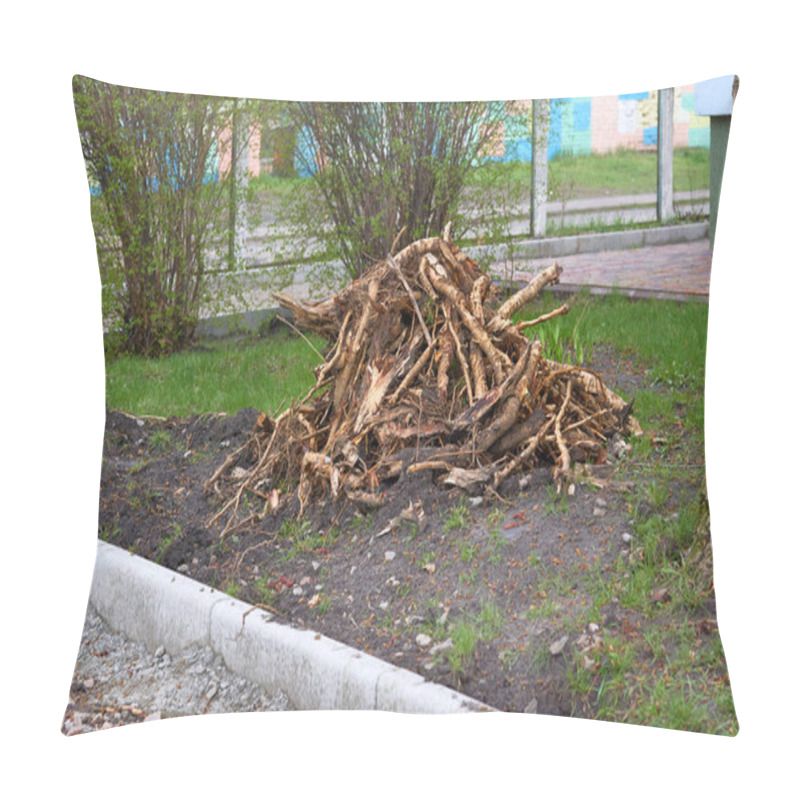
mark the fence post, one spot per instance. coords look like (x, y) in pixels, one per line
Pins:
(540, 128)
(664, 203)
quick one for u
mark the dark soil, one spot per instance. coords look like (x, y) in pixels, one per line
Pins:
(518, 572)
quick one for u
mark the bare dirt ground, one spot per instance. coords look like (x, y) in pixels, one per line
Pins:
(501, 597)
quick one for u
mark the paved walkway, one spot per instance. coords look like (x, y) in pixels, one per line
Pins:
(668, 270)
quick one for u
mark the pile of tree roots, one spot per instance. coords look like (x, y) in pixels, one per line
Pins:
(425, 371)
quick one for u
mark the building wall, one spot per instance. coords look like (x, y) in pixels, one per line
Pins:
(582, 125)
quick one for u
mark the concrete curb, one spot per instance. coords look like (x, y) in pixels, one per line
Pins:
(561, 246)
(154, 605)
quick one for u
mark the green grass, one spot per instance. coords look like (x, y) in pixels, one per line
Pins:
(621, 172)
(617, 173)
(678, 683)
(485, 625)
(667, 336)
(221, 376)
(456, 517)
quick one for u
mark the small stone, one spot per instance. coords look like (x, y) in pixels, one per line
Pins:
(661, 595)
(429, 567)
(571, 489)
(558, 645)
(212, 690)
(89, 682)
(524, 482)
(225, 443)
(593, 627)
(441, 647)
(626, 537)
(601, 502)
(475, 501)
(423, 640)
(184, 568)
(392, 581)
(532, 707)
(314, 601)
(598, 512)
(389, 555)
(140, 423)
(352, 569)
(318, 587)
(315, 565)
(305, 580)
(297, 591)
(187, 454)
(383, 605)
(160, 651)
(587, 662)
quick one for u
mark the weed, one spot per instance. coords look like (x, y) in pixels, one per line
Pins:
(556, 502)
(494, 518)
(656, 494)
(160, 441)
(539, 656)
(266, 593)
(490, 621)
(412, 529)
(469, 578)
(508, 658)
(322, 607)
(109, 532)
(467, 551)
(546, 608)
(457, 517)
(171, 537)
(232, 588)
(465, 638)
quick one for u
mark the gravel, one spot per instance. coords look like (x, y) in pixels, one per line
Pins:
(119, 682)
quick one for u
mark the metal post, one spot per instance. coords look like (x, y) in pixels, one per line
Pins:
(240, 156)
(540, 127)
(664, 203)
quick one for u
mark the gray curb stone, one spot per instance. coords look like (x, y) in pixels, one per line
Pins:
(154, 605)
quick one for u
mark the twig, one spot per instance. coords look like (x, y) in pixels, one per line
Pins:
(300, 333)
(561, 310)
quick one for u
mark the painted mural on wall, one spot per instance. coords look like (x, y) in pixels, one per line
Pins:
(583, 125)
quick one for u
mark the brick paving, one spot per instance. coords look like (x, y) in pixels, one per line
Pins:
(670, 269)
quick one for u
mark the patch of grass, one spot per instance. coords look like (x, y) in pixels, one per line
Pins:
(266, 593)
(545, 607)
(301, 538)
(170, 538)
(490, 621)
(486, 624)
(457, 517)
(667, 336)
(232, 588)
(110, 531)
(465, 638)
(467, 551)
(221, 376)
(160, 441)
(623, 171)
(556, 502)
